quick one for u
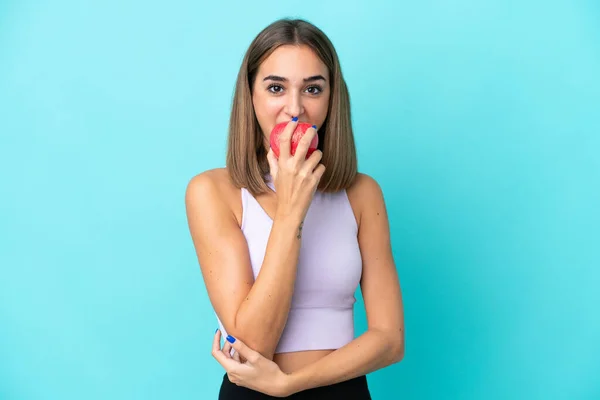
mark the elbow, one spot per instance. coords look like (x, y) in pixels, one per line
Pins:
(259, 344)
(397, 348)
(398, 354)
(256, 339)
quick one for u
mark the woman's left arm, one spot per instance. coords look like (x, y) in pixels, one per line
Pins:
(383, 342)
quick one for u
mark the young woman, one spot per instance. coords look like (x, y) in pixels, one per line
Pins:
(283, 242)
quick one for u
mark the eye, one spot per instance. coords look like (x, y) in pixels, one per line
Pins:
(275, 86)
(316, 89)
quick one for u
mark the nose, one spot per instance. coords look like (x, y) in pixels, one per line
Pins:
(294, 107)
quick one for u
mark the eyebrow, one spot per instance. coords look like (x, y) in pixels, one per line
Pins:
(282, 79)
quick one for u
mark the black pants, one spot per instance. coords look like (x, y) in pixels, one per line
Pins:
(353, 389)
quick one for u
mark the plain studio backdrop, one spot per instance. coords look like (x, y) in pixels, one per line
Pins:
(480, 120)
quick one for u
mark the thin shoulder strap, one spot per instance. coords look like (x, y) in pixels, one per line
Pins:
(244, 195)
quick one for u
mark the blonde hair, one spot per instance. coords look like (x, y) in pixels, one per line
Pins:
(246, 153)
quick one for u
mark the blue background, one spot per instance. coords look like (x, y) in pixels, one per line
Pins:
(480, 120)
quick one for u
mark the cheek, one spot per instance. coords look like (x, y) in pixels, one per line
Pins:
(266, 110)
(319, 109)
(266, 107)
(273, 106)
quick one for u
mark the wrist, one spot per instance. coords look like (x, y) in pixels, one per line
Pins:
(282, 386)
(292, 221)
(293, 383)
(288, 217)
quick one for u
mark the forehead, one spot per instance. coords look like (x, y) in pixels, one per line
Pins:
(293, 62)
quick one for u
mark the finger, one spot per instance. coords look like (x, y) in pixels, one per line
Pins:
(273, 164)
(245, 351)
(285, 139)
(319, 171)
(312, 162)
(304, 143)
(216, 346)
(217, 340)
(226, 363)
(229, 364)
(236, 357)
(227, 349)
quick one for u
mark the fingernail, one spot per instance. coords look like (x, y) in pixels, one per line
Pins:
(217, 330)
(295, 119)
(314, 126)
(230, 339)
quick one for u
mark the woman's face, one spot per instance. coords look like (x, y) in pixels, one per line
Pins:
(291, 82)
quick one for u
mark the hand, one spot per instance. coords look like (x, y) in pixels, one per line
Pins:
(296, 178)
(252, 370)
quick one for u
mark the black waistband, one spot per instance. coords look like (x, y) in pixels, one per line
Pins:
(352, 389)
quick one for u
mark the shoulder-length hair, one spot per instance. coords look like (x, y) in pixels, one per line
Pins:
(246, 153)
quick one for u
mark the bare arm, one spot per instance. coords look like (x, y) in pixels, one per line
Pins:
(383, 343)
(255, 311)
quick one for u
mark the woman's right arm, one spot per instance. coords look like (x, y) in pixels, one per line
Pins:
(254, 311)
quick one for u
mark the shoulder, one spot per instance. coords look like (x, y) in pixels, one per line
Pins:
(209, 183)
(364, 187)
(364, 194)
(213, 189)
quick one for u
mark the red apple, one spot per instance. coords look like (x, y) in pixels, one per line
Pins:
(300, 130)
